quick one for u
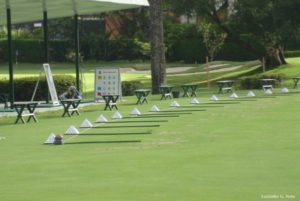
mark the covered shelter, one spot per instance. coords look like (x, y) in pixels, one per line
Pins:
(21, 11)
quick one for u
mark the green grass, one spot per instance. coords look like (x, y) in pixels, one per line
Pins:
(239, 150)
(234, 152)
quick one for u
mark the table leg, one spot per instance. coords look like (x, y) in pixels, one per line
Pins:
(144, 99)
(295, 82)
(107, 105)
(66, 109)
(20, 112)
(194, 88)
(185, 91)
(31, 113)
(220, 88)
(115, 105)
(229, 87)
(114, 101)
(33, 117)
(75, 108)
(139, 99)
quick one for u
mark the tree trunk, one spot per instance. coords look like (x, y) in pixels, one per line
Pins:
(280, 55)
(158, 70)
(271, 62)
(274, 58)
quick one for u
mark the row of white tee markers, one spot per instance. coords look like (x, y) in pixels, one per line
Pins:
(72, 130)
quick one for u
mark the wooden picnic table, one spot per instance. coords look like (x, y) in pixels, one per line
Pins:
(141, 95)
(225, 85)
(296, 80)
(110, 101)
(186, 88)
(166, 91)
(70, 106)
(20, 109)
(267, 83)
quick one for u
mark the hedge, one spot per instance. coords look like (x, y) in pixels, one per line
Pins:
(254, 83)
(192, 50)
(24, 87)
(187, 49)
(33, 50)
(294, 53)
(128, 87)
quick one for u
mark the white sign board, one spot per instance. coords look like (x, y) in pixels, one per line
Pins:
(51, 86)
(107, 82)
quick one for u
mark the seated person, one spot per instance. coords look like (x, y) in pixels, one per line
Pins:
(71, 93)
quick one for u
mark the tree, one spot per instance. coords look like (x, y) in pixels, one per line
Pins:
(212, 38)
(271, 23)
(158, 61)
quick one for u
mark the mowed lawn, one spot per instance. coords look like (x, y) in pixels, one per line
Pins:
(235, 150)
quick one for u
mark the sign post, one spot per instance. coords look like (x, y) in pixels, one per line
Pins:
(107, 82)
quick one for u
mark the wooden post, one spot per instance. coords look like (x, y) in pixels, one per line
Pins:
(264, 64)
(207, 68)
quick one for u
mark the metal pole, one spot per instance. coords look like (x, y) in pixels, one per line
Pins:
(46, 49)
(45, 26)
(77, 61)
(10, 62)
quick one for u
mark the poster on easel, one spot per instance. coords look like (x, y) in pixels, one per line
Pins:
(51, 86)
(107, 82)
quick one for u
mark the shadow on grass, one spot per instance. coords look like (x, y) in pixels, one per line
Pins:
(222, 102)
(104, 142)
(132, 133)
(138, 121)
(166, 113)
(202, 106)
(131, 126)
(179, 111)
(152, 116)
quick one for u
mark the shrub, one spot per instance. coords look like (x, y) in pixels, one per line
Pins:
(24, 87)
(58, 49)
(249, 83)
(30, 50)
(254, 83)
(184, 42)
(128, 87)
(294, 53)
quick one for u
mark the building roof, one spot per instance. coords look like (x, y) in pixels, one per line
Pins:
(32, 10)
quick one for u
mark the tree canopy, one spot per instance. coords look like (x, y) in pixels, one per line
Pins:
(270, 23)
